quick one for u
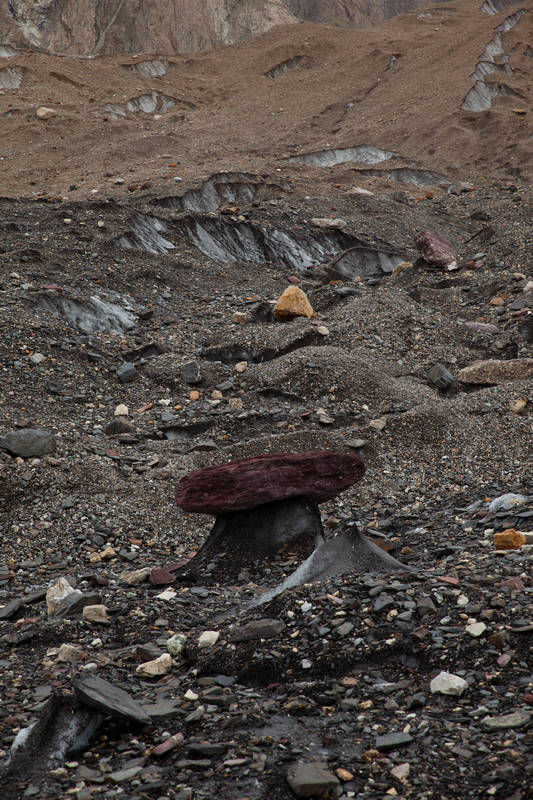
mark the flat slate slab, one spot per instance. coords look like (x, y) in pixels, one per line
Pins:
(239, 485)
(29, 442)
(104, 696)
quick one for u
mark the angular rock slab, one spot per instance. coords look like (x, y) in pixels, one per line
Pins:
(311, 780)
(104, 696)
(239, 485)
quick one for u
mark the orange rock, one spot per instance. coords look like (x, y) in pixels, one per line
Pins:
(293, 303)
(344, 774)
(194, 395)
(509, 540)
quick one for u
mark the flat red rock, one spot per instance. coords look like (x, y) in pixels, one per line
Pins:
(239, 485)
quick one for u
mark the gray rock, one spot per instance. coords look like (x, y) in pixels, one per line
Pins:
(440, 376)
(257, 629)
(124, 774)
(345, 629)
(104, 696)
(162, 709)
(390, 741)
(308, 780)
(75, 602)
(127, 372)
(10, 608)
(190, 373)
(383, 601)
(29, 442)
(515, 720)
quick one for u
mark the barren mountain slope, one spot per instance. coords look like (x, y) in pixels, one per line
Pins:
(448, 90)
(86, 27)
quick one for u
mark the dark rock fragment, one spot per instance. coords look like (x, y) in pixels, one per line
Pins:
(190, 373)
(127, 372)
(390, 741)
(440, 376)
(29, 442)
(257, 629)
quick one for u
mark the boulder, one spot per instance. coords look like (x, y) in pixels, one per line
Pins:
(293, 303)
(436, 250)
(238, 485)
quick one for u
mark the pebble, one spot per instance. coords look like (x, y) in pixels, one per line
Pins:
(121, 410)
(517, 719)
(44, 112)
(127, 372)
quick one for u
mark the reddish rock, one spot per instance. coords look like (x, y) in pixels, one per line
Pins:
(245, 484)
(168, 744)
(160, 576)
(436, 250)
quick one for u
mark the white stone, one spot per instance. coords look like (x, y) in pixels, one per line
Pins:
(208, 638)
(360, 190)
(476, 629)
(190, 695)
(37, 358)
(328, 223)
(57, 593)
(447, 683)
(241, 366)
(43, 112)
(121, 410)
(401, 771)
(159, 666)
(168, 594)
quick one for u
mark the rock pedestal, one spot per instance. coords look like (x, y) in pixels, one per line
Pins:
(264, 504)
